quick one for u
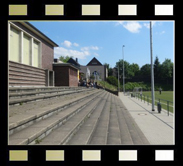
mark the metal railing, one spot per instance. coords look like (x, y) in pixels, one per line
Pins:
(165, 104)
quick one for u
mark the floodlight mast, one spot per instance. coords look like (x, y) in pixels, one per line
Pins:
(152, 68)
(123, 71)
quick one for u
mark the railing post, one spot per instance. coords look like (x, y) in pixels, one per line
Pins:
(168, 107)
(148, 100)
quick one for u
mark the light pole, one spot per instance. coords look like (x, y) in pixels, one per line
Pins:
(118, 76)
(152, 69)
(123, 70)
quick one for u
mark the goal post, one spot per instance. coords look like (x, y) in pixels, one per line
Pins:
(137, 91)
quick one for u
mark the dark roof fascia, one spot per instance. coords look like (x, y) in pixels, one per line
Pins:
(66, 64)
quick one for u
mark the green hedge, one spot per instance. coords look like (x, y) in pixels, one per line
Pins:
(112, 80)
(129, 86)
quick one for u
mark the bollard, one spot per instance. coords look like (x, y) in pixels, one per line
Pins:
(159, 107)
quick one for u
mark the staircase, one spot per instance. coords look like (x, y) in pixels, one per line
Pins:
(70, 116)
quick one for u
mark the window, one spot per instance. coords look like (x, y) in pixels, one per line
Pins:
(14, 45)
(23, 47)
(36, 54)
(26, 50)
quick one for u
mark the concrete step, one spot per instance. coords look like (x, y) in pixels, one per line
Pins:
(23, 100)
(27, 117)
(37, 131)
(64, 133)
(43, 88)
(114, 136)
(99, 136)
(37, 93)
(85, 133)
(130, 132)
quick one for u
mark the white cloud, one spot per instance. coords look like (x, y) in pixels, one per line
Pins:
(89, 48)
(132, 26)
(76, 44)
(60, 51)
(147, 25)
(96, 54)
(67, 43)
(162, 32)
(94, 48)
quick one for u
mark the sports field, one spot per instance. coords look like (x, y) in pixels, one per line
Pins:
(165, 95)
(165, 98)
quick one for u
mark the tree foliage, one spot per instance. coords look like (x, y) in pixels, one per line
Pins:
(163, 73)
(65, 58)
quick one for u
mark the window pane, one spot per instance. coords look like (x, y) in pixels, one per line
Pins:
(36, 54)
(14, 44)
(26, 49)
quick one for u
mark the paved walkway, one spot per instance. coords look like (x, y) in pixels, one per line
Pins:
(157, 127)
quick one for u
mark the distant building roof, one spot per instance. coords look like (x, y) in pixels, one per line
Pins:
(94, 62)
(74, 62)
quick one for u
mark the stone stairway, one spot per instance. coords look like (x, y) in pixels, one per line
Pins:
(70, 116)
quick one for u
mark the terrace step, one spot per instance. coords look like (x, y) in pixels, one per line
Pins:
(40, 129)
(63, 134)
(87, 130)
(26, 117)
(15, 101)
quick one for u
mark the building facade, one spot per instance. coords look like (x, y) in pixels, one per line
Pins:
(96, 69)
(31, 55)
(66, 74)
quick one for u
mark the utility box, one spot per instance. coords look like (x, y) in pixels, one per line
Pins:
(159, 107)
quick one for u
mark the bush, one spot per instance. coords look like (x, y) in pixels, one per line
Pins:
(112, 80)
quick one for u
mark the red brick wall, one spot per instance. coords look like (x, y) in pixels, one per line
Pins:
(73, 79)
(61, 75)
(47, 57)
(65, 76)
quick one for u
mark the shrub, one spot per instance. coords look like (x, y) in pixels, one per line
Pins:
(112, 80)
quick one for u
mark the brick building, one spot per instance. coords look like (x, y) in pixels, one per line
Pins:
(30, 56)
(66, 74)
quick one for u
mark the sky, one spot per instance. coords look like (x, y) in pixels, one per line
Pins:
(104, 40)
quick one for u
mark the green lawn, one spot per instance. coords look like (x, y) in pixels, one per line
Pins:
(164, 97)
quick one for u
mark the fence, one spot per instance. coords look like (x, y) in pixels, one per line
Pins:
(165, 104)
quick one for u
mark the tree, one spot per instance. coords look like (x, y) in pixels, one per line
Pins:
(65, 58)
(134, 68)
(167, 70)
(157, 69)
(127, 69)
(145, 72)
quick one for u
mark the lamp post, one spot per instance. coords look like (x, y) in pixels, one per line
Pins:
(152, 69)
(123, 70)
(118, 76)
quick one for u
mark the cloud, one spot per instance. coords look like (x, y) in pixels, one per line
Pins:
(60, 51)
(162, 32)
(132, 26)
(147, 25)
(89, 48)
(67, 43)
(76, 44)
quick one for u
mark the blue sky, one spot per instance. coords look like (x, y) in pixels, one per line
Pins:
(104, 39)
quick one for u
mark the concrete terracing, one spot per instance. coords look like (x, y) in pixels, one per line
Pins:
(72, 116)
